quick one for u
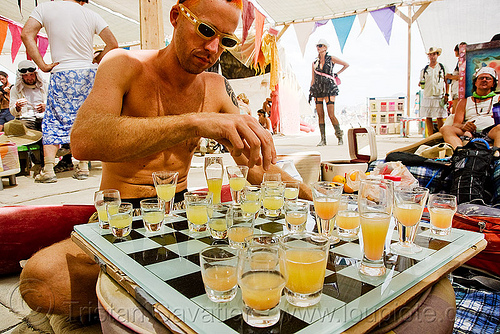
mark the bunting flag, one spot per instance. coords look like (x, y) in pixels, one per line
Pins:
(259, 30)
(247, 15)
(384, 17)
(3, 32)
(303, 31)
(343, 27)
(270, 52)
(362, 21)
(319, 24)
(43, 44)
(15, 32)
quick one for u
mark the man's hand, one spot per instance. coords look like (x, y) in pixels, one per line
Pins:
(21, 103)
(469, 126)
(48, 67)
(40, 107)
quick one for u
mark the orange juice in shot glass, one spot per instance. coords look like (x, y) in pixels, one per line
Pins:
(347, 219)
(326, 197)
(219, 265)
(442, 207)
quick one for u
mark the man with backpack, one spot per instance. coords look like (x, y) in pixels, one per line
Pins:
(433, 83)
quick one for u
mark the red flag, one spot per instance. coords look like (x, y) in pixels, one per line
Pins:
(259, 30)
(248, 15)
(275, 109)
(3, 33)
(15, 32)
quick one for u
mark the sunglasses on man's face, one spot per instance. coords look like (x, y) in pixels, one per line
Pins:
(208, 31)
(29, 69)
(320, 45)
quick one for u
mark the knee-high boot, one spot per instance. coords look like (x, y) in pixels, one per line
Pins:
(339, 133)
(323, 136)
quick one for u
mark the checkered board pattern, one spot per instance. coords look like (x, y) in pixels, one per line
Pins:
(166, 265)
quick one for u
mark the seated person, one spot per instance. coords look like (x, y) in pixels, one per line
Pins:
(243, 104)
(264, 120)
(473, 115)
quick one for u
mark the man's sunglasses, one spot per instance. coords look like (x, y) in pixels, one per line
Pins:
(320, 45)
(29, 69)
(208, 31)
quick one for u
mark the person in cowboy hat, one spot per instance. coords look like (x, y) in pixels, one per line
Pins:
(324, 88)
(474, 114)
(432, 81)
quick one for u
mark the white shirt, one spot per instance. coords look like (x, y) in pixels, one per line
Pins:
(480, 112)
(434, 81)
(70, 28)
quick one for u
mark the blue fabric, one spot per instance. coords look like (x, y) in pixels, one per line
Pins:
(5, 116)
(67, 92)
(478, 311)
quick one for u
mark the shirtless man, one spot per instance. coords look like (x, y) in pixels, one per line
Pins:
(146, 112)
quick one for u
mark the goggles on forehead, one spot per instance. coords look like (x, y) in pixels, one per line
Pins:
(29, 69)
(208, 31)
(320, 45)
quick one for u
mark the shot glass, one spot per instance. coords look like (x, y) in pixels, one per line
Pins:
(197, 209)
(442, 207)
(165, 184)
(239, 226)
(272, 178)
(261, 277)
(214, 171)
(273, 198)
(261, 239)
(375, 200)
(219, 267)
(305, 257)
(120, 219)
(296, 213)
(217, 224)
(326, 197)
(237, 176)
(347, 219)
(101, 200)
(291, 190)
(409, 204)
(251, 200)
(153, 213)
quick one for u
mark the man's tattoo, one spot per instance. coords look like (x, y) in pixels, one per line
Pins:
(230, 92)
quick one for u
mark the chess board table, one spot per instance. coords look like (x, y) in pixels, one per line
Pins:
(161, 271)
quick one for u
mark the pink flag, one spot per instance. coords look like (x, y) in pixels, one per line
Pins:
(248, 15)
(43, 44)
(259, 30)
(15, 32)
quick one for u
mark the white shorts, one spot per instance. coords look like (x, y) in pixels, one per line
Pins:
(431, 107)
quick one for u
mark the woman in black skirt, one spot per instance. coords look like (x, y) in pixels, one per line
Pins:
(324, 88)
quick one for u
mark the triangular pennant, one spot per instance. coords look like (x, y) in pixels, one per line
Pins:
(362, 21)
(43, 44)
(343, 27)
(247, 15)
(259, 30)
(3, 33)
(319, 24)
(384, 17)
(15, 32)
(303, 31)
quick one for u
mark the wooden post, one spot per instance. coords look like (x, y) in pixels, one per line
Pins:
(151, 19)
(408, 99)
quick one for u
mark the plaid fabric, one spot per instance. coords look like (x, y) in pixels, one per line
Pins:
(478, 311)
(429, 177)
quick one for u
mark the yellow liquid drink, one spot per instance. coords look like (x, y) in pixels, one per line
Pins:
(237, 183)
(153, 217)
(252, 197)
(291, 193)
(238, 234)
(326, 208)
(441, 218)
(102, 213)
(215, 187)
(296, 218)
(306, 270)
(261, 290)
(220, 278)
(197, 214)
(408, 214)
(120, 220)
(250, 206)
(273, 203)
(374, 227)
(165, 192)
(218, 228)
(348, 220)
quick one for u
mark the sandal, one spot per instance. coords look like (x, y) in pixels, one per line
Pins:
(45, 177)
(63, 166)
(81, 174)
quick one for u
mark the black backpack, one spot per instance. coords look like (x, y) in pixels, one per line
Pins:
(471, 170)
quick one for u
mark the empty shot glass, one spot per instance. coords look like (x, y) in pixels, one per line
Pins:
(197, 209)
(219, 266)
(101, 200)
(120, 219)
(296, 213)
(153, 213)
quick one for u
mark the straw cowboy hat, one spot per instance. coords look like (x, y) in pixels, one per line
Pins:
(434, 50)
(16, 132)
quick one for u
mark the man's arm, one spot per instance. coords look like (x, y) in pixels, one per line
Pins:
(100, 132)
(14, 107)
(28, 36)
(110, 41)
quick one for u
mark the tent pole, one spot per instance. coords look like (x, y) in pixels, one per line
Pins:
(409, 62)
(151, 20)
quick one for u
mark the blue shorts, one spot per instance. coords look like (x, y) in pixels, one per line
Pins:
(5, 116)
(67, 92)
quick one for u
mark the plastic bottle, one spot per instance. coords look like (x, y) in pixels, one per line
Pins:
(496, 113)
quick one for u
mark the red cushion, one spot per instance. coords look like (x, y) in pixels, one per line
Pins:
(27, 229)
(225, 193)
